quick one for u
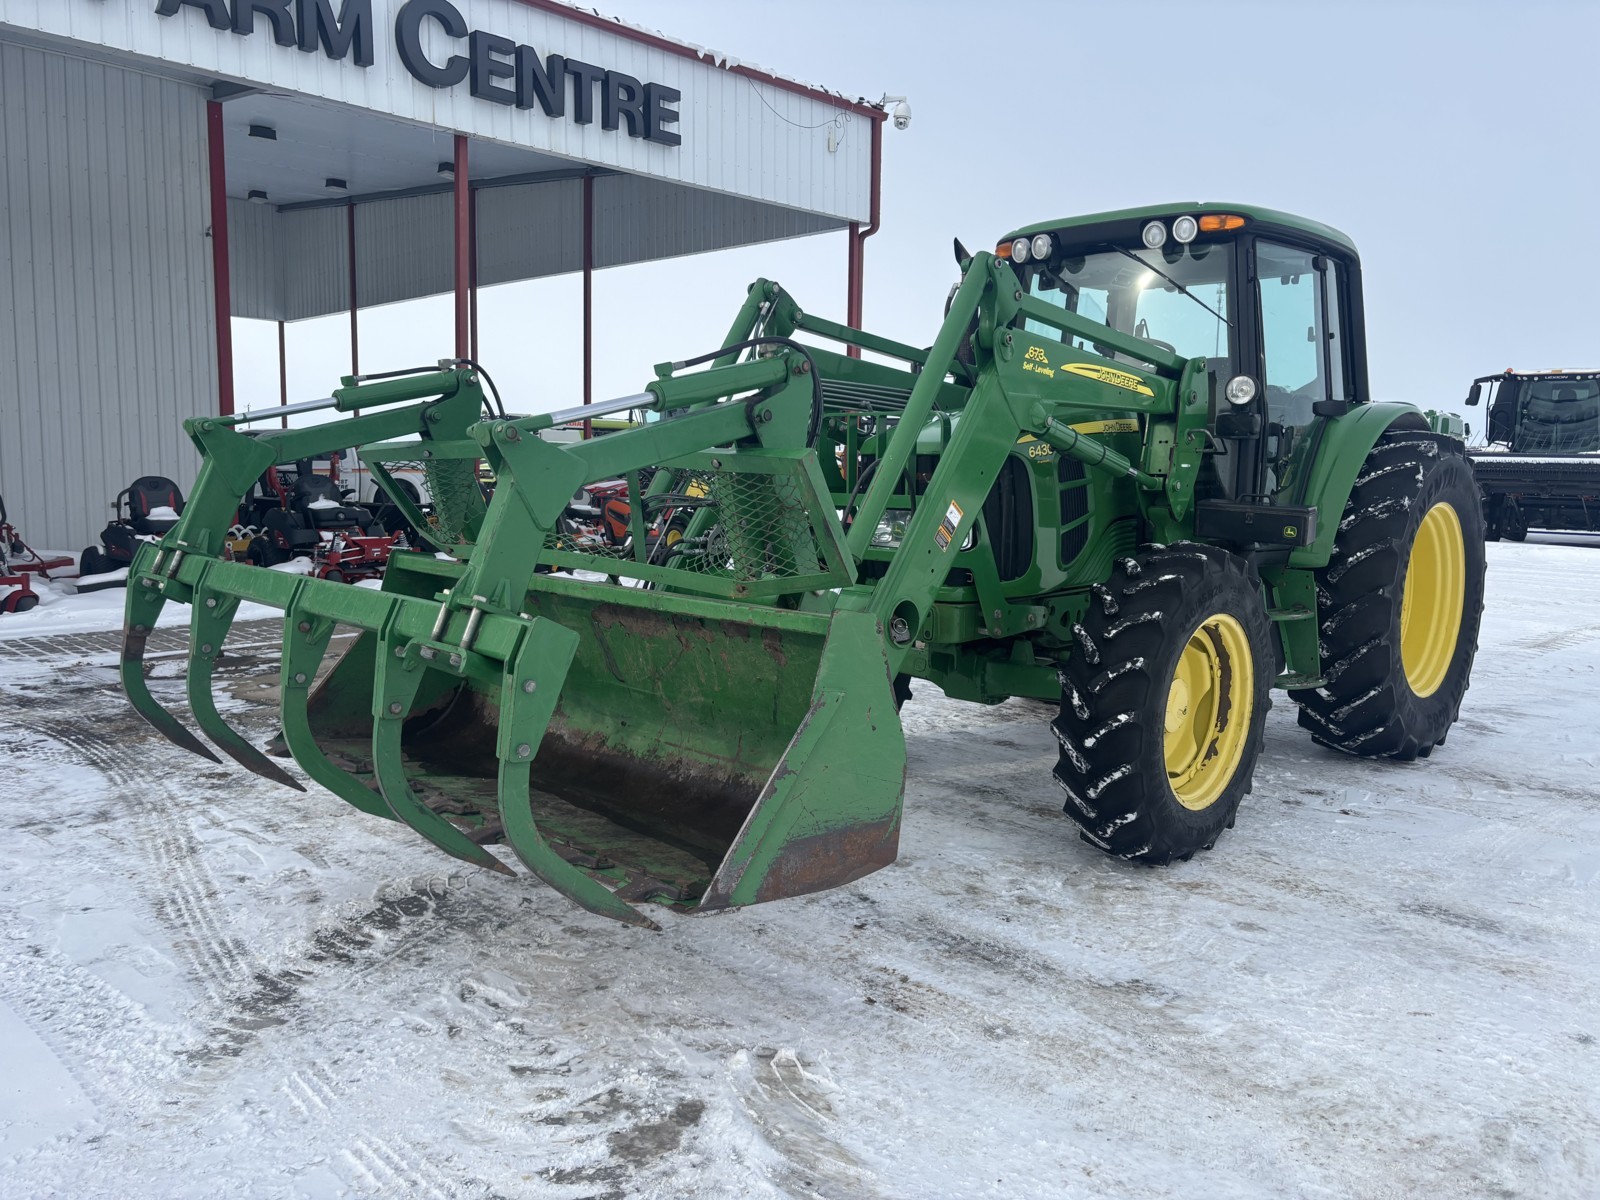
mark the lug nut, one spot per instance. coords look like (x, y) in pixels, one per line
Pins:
(300, 677)
(396, 708)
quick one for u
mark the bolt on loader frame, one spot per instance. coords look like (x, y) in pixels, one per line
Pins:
(716, 724)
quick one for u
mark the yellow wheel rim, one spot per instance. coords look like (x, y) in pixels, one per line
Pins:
(1435, 593)
(1209, 705)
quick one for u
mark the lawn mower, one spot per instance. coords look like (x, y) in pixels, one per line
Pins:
(146, 509)
(299, 512)
(19, 562)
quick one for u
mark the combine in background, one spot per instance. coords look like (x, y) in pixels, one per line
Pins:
(1541, 468)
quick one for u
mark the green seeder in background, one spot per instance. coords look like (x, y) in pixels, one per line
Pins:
(1095, 488)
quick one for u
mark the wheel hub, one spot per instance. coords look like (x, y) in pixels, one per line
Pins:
(1433, 599)
(1208, 711)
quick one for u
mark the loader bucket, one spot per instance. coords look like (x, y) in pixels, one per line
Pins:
(697, 753)
(705, 728)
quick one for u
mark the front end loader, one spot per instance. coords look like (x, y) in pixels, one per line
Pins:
(1137, 474)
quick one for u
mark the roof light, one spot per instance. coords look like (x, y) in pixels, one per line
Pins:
(257, 197)
(1019, 250)
(1003, 250)
(447, 169)
(1154, 235)
(1184, 229)
(265, 132)
(335, 185)
(1219, 222)
(1042, 245)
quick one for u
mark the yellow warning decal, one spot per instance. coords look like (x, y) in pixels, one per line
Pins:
(946, 532)
(1111, 375)
(1114, 425)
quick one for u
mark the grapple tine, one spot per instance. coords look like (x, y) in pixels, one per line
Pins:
(516, 815)
(394, 688)
(542, 660)
(144, 606)
(212, 616)
(305, 642)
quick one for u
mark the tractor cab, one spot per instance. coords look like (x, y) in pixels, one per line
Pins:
(1272, 302)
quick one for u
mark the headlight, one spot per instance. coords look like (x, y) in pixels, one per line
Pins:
(1042, 245)
(890, 530)
(1241, 389)
(1154, 235)
(1184, 229)
(1019, 251)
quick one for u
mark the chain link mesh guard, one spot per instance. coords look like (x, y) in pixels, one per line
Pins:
(764, 526)
(453, 493)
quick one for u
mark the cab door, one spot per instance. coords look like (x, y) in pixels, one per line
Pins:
(1305, 366)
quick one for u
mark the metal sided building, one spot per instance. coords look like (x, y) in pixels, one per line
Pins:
(170, 164)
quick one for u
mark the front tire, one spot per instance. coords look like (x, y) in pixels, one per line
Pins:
(1399, 602)
(1164, 702)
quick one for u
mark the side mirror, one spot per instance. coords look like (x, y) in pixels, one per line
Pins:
(1475, 396)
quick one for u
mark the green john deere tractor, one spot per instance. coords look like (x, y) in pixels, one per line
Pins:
(1138, 474)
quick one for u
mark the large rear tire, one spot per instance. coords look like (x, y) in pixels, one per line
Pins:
(1164, 701)
(1399, 602)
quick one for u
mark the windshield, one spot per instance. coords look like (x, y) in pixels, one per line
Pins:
(1558, 415)
(1130, 295)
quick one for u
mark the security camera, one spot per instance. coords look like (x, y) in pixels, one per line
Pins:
(901, 112)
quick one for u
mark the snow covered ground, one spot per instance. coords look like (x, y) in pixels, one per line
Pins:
(1382, 983)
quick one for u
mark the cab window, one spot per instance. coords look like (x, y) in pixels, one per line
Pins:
(1302, 348)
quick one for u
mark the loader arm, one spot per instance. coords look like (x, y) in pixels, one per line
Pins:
(704, 722)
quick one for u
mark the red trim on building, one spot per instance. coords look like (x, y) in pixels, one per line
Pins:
(221, 281)
(463, 255)
(283, 372)
(588, 298)
(856, 268)
(472, 282)
(656, 41)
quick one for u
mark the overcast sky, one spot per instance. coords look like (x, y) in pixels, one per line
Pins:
(1457, 143)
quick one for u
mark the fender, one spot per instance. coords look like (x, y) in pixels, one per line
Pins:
(1341, 453)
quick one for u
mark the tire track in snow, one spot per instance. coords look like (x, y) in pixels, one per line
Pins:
(84, 1023)
(403, 920)
(243, 997)
(179, 885)
(392, 1172)
(1541, 644)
